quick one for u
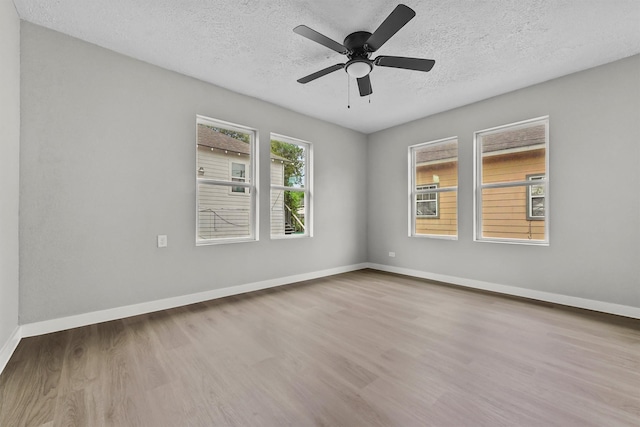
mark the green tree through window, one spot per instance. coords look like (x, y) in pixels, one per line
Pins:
(294, 169)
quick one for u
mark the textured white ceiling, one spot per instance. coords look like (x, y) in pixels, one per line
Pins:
(482, 48)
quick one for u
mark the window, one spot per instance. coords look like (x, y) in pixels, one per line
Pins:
(512, 183)
(225, 185)
(433, 189)
(427, 203)
(291, 187)
(238, 174)
(535, 199)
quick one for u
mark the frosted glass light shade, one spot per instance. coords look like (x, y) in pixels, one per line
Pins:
(358, 69)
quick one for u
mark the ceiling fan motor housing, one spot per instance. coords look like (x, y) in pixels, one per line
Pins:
(356, 42)
(359, 64)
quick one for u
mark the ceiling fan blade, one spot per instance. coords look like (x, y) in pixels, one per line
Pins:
(364, 84)
(396, 20)
(321, 73)
(416, 64)
(315, 36)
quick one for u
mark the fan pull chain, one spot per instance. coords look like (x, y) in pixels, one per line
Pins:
(348, 92)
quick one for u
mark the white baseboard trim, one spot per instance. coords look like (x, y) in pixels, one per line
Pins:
(60, 324)
(604, 307)
(9, 347)
(63, 323)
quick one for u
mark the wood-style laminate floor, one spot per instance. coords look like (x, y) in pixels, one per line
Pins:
(358, 349)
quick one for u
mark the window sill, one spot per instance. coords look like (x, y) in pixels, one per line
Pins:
(434, 236)
(289, 236)
(514, 242)
(225, 241)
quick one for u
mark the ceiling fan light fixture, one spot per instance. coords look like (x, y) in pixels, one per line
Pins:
(358, 68)
(359, 46)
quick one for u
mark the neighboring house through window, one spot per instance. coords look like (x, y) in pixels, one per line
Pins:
(433, 189)
(512, 183)
(226, 202)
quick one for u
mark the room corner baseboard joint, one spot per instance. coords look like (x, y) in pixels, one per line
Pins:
(9, 347)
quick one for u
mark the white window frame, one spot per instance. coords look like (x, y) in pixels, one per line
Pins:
(436, 200)
(479, 186)
(231, 177)
(252, 184)
(530, 197)
(307, 186)
(413, 192)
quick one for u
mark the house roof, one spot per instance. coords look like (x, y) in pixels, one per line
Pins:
(442, 151)
(517, 139)
(208, 137)
(512, 139)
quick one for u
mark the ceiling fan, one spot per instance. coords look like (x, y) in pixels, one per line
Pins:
(358, 47)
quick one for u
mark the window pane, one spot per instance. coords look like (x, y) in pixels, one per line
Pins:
(537, 190)
(238, 174)
(437, 217)
(436, 164)
(223, 154)
(287, 212)
(221, 215)
(238, 171)
(535, 206)
(510, 155)
(290, 167)
(224, 166)
(504, 214)
(427, 203)
(427, 196)
(292, 158)
(426, 208)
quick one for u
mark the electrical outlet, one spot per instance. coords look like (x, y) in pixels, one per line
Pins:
(392, 254)
(162, 240)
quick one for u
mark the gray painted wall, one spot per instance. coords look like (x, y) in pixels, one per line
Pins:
(594, 193)
(9, 167)
(108, 162)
